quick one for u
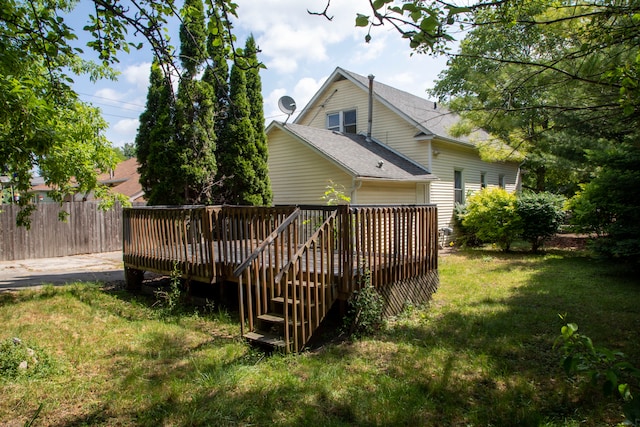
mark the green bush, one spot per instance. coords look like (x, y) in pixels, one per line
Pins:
(465, 236)
(492, 215)
(609, 206)
(365, 310)
(610, 370)
(541, 215)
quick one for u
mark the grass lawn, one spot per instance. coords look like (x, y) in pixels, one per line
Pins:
(480, 354)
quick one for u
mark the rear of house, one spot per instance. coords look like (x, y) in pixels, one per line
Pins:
(406, 154)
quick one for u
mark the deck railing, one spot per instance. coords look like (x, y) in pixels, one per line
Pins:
(393, 242)
(301, 257)
(164, 238)
(256, 275)
(203, 243)
(309, 283)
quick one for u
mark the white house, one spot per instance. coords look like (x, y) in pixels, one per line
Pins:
(382, 146)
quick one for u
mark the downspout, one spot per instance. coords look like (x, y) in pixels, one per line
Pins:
(355, 186)
(370, 120)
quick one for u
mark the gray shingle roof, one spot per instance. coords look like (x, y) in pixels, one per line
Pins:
(430, 119)
(359, 156)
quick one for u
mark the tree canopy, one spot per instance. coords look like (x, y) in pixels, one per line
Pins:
(43, 125)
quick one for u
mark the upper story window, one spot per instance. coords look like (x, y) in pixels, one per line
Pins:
(342, 121)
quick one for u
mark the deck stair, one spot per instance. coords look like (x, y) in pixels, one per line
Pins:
(287, 288)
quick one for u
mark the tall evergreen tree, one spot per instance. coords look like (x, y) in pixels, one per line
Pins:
(238, 148)
(155, 146)
(195, 112)
(256, 108)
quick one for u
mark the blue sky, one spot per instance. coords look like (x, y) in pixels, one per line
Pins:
(299, 50)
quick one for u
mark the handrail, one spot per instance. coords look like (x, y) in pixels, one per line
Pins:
(266, 242)
(305, 246)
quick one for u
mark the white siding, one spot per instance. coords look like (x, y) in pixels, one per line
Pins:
(451, 158)
(387, 126)
(298, 174)
(381, 193)
(391, 129)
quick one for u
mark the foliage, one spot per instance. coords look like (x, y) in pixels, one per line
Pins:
(335, 194)
(608, 205)
(603, 367)
(365, 309)
(172, 300)
(19, 359)
(237, 147)
(481, 354)
(156, 149)
(256, 113)
(541, 215)
(465, 235)
(492, 216)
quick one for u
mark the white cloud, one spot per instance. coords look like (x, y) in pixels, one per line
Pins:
(109, 94)
(138, 75)
(126, 127)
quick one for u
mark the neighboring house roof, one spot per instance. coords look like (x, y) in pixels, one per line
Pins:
(429, 119)
(361, 157)
(124, 179)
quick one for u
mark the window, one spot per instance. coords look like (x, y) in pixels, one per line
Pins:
(501, 181)
(458, 191)
(343, 121)
(483, 180)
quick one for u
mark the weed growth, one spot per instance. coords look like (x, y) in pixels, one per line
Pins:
(20, 359)
(364, 315)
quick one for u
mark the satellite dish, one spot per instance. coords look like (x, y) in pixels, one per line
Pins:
(287, 105)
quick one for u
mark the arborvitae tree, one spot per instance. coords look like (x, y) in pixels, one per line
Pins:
(256, 107)
(217, 71)
(238, 149)
(195, 114)
(156, 151)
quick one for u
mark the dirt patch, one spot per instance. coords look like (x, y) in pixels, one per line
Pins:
(568, 241)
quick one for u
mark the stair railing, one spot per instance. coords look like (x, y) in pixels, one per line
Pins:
(257, 272)
(309, 279)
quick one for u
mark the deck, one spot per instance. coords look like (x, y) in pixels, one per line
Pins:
(291, 263)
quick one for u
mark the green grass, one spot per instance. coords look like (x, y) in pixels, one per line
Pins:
(480, 354)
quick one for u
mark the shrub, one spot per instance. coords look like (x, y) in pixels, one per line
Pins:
(364, 315)
(610, 370)
(491, 214)
(465, 236)
(541, 215)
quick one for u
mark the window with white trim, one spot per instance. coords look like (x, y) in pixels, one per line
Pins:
(458, 187)
(342, 121)
(483, 180)
(501, 182)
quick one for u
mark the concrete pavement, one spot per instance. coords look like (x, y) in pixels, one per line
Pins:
(20, 274)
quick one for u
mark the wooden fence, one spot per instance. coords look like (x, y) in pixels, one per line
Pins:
(88, 229)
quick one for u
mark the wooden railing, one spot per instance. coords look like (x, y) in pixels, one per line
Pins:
(309, 283)
(162, 238)
(257, 285)
(295, 261)
(203, 243)
(393, 243)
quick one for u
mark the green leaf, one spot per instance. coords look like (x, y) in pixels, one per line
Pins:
(362, 20)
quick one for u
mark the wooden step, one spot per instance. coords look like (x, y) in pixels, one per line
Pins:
(275, 318)
(290, 301)
(264, 338)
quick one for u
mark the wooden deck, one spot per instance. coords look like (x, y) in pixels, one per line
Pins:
(291, 263)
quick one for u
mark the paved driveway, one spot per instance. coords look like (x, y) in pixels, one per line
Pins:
(103, 267)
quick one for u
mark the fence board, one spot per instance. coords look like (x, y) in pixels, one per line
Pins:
(87, 230)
